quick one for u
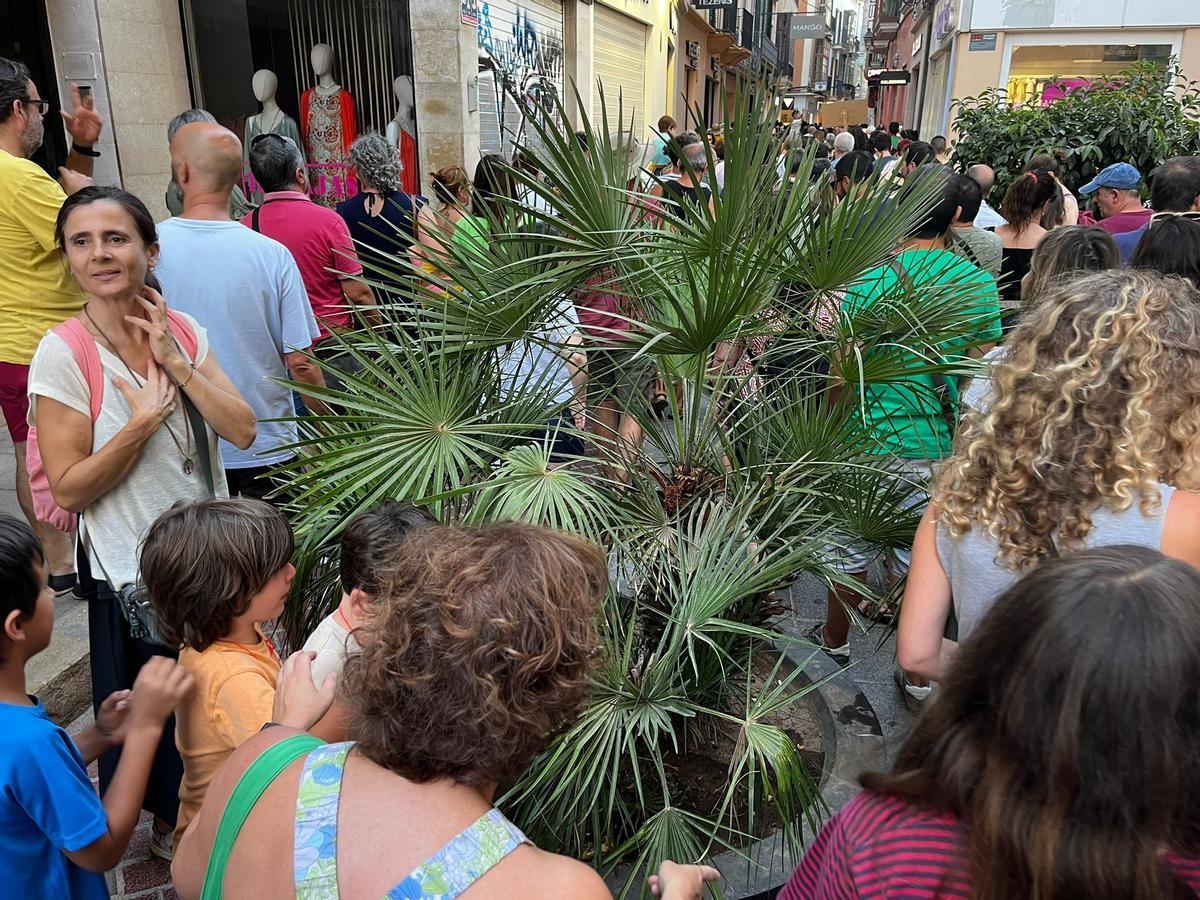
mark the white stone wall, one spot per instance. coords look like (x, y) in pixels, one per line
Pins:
(445, 68)
(147, 80)
(75, 36)
(141, 85)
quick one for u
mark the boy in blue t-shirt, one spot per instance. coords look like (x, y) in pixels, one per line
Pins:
(56, 833)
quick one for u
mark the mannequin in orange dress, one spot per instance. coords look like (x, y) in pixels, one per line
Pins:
(402, 132)
(328, 125)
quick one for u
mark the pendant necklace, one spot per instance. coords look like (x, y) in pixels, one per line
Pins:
(188, 465)
(270, 129)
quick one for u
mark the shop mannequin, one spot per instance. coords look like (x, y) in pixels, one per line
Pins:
(328, 125)
(272, 119)
(402, 132)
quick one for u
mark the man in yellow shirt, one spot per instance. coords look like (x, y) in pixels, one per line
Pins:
(36, 291)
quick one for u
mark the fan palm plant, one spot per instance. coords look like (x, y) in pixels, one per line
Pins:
(755, 475)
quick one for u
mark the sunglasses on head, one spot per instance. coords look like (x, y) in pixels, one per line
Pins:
(258, 138)
(1191, 215)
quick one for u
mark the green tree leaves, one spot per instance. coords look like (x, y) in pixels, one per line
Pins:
(1142, 116)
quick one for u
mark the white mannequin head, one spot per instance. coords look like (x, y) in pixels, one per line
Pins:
(321, 58)
(402, 87)
(265, 84)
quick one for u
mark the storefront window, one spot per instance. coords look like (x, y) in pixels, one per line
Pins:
(320, 72)
(1044, 74)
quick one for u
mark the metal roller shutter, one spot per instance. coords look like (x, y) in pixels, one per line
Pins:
(522, 41)
(619, 63)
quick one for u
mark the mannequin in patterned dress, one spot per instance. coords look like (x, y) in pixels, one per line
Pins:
(328, 124)
(402, 132)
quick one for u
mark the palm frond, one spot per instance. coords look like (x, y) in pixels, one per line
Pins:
(760, 474)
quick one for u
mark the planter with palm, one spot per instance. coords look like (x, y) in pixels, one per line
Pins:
(752, 480)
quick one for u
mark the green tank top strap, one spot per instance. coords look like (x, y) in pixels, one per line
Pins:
(250, 787)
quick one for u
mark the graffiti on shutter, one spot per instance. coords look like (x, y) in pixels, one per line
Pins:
(520, 71)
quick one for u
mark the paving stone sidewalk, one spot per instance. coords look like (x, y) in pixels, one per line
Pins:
(140, 874)
(873, 662)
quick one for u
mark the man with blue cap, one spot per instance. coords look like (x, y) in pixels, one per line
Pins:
(1118, 190)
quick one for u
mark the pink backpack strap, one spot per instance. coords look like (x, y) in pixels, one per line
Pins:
(87, 357)
(181, 328)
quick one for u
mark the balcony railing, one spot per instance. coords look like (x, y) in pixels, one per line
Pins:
(724, 19)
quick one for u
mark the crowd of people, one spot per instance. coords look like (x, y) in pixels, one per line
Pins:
(143, 372)
(1059, 518)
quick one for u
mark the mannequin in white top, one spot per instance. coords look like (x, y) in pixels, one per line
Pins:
(272, 119)
(402, 131)
(404, 121)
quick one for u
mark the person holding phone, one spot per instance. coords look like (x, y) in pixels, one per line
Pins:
(36, 290)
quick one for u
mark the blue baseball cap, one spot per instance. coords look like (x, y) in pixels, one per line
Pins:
(1121, 176)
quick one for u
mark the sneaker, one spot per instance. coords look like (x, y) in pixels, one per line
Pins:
(162, 843)
(63, 584)
(914, 695)
(816, 635)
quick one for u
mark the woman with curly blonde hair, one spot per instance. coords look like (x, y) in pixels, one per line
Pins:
(1092, 438)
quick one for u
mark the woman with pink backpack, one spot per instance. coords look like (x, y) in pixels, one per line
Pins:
(126, 402)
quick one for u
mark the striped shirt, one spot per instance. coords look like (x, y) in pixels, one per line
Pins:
(880, 846)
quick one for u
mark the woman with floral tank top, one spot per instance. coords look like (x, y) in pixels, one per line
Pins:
(482, 645)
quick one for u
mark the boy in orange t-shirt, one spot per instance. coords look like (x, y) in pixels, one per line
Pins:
(215, 571)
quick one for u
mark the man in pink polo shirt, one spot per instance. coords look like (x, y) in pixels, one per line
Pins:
(317, 237)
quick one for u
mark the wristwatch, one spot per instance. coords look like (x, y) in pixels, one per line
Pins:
(84, 151)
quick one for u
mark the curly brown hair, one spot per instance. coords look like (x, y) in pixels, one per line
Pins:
(480, 650)
(202, 563)
(1093, 406)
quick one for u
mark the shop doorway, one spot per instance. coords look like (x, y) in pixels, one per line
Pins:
(26, 39)
(909, 119)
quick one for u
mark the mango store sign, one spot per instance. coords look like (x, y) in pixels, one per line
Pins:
(807, 28)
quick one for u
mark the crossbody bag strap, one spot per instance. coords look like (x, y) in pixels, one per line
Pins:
(250, 787)
(86, 540)
(254, 213)
(188, 344)
(200, 430)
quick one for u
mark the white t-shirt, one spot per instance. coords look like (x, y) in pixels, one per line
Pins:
(975, 395)
(332, 643)
(538, 364)
(988, 217)
(117, 521)
(246, 290)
